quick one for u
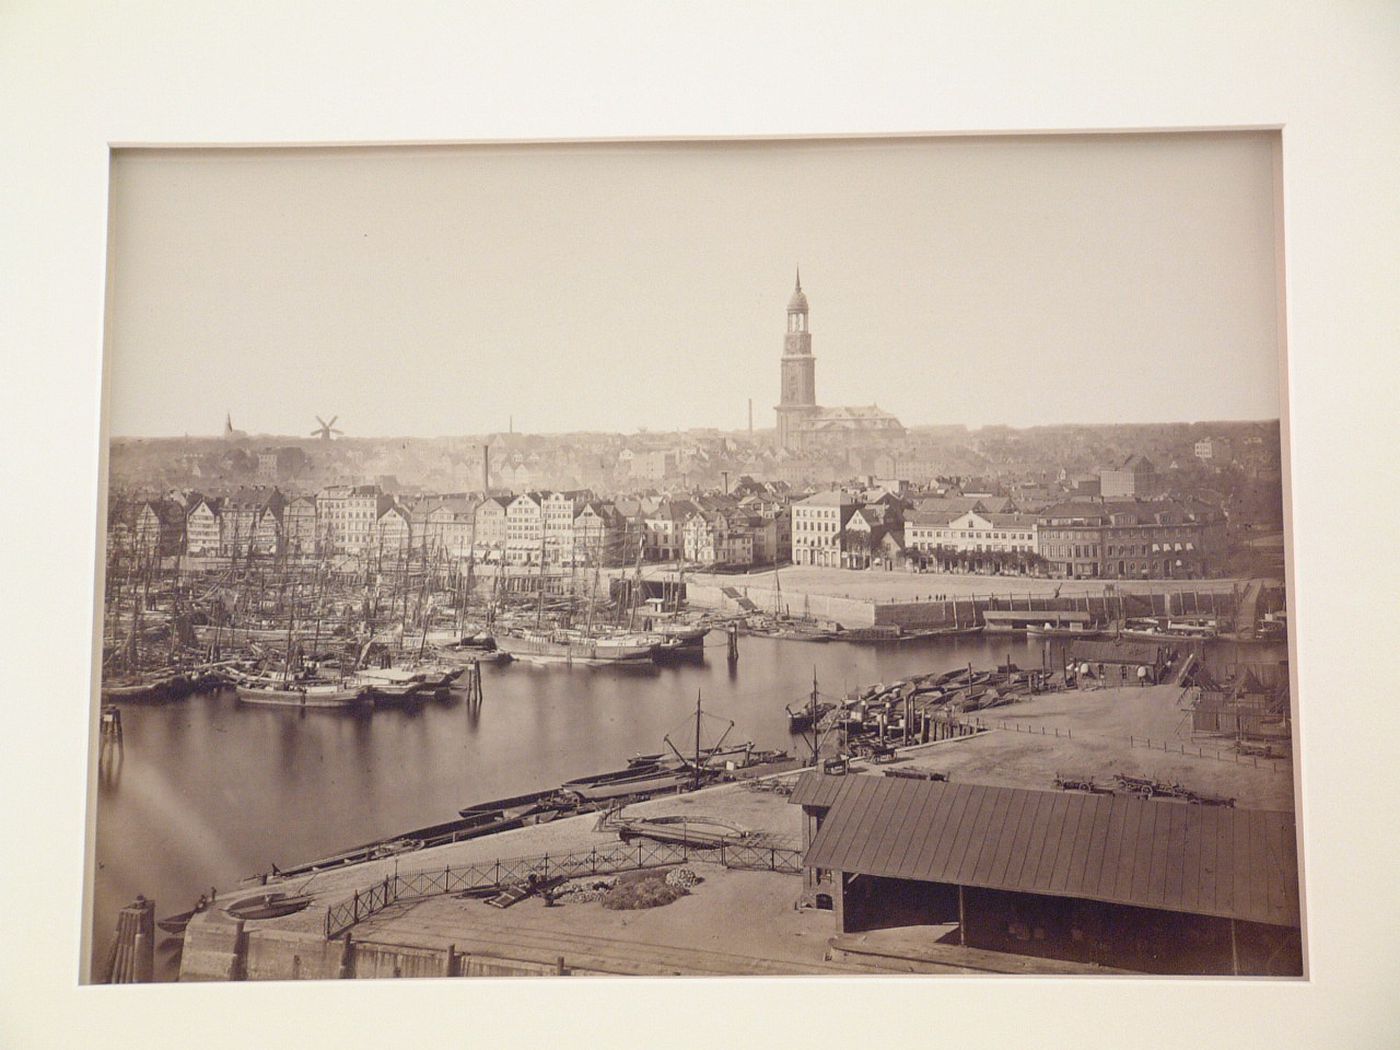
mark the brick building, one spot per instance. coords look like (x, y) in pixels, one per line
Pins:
(1132, 539)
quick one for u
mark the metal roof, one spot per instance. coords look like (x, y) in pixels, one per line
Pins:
(816, 789)
(1201, 860)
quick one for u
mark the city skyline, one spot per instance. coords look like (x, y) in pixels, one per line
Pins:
(764, 433)
(628, 287)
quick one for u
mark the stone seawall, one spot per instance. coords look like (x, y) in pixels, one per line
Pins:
(849, 612)
(860, 612)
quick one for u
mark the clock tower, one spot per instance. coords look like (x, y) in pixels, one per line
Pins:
(799, 380)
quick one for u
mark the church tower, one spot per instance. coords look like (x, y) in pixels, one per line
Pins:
(799, 368)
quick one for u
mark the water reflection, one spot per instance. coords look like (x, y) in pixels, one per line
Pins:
(211, 790)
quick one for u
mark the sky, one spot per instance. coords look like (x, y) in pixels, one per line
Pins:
(446, 290)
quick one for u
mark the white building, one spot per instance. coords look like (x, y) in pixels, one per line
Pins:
(817, 524)
(970, 530)
(524, 529)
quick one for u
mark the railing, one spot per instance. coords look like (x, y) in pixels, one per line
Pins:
(609, 860)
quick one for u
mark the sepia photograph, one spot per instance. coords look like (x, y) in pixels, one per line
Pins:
(831, 556)
(709, 524)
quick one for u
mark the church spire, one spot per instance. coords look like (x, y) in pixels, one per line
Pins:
(799, 278)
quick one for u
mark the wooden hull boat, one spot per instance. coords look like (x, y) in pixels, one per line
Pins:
(267, 906)
(1047, 631)
(576, 648)
(176, 924)
(634, 780)
(348, 693)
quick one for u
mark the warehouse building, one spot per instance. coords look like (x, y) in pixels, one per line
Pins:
(1145, 885)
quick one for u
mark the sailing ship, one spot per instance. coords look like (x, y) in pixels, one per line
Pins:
(590, 644)
(274, 691)
(573, 646)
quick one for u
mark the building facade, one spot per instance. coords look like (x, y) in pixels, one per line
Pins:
(348, 517)
(1137, 539)
(971, 530)
(491, 523)
(203, 527)
(159, 529)
(525, 529)
(600, 535)
(299, 526)
(818, 523)
(1136, 478)
(393, 533)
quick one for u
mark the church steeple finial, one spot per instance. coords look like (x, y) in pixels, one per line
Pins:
(798, 303)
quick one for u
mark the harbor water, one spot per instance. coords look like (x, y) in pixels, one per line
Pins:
(205, 791)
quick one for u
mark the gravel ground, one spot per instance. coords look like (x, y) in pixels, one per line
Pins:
(734, 804)
(1103, 721)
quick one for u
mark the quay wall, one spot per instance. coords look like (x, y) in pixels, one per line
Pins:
(283, 955)
(849, 612)
(858, 612)
(214, 949)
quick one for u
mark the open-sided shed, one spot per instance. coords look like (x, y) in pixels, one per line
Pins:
(1138, 884)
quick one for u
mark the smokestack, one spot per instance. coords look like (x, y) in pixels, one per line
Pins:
(750, 417)
(485, 469)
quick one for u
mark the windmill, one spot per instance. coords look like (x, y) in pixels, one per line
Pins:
(325, 430)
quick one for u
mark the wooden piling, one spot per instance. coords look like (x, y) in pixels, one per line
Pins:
(111, 725)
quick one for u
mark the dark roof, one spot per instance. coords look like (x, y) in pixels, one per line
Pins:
(1201, 860)
(816, 789)
(1115, 651)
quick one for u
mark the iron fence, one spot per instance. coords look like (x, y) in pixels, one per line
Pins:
(500, 873)
(1167, 746)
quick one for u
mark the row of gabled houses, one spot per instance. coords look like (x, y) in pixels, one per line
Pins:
(755, 526)
(549, 528)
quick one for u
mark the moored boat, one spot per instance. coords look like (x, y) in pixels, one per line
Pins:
(267, 906)
(277, 692)
(393, 685)
(569, 646)
(635, 780)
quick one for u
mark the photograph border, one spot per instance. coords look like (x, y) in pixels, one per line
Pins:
(1336, 147)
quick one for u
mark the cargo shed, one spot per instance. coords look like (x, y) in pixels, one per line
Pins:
(1146, 885)
(1116, 658)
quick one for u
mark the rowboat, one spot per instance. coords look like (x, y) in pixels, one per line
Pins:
(267, 906)
(176, 923)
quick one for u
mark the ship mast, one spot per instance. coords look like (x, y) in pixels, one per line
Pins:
(539, 608)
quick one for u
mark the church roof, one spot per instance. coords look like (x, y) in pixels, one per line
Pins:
(849, 417)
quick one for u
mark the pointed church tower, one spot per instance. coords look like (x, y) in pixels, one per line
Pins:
(228, 425)
(799, 379)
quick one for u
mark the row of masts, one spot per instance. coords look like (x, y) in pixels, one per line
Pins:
(404, 593)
